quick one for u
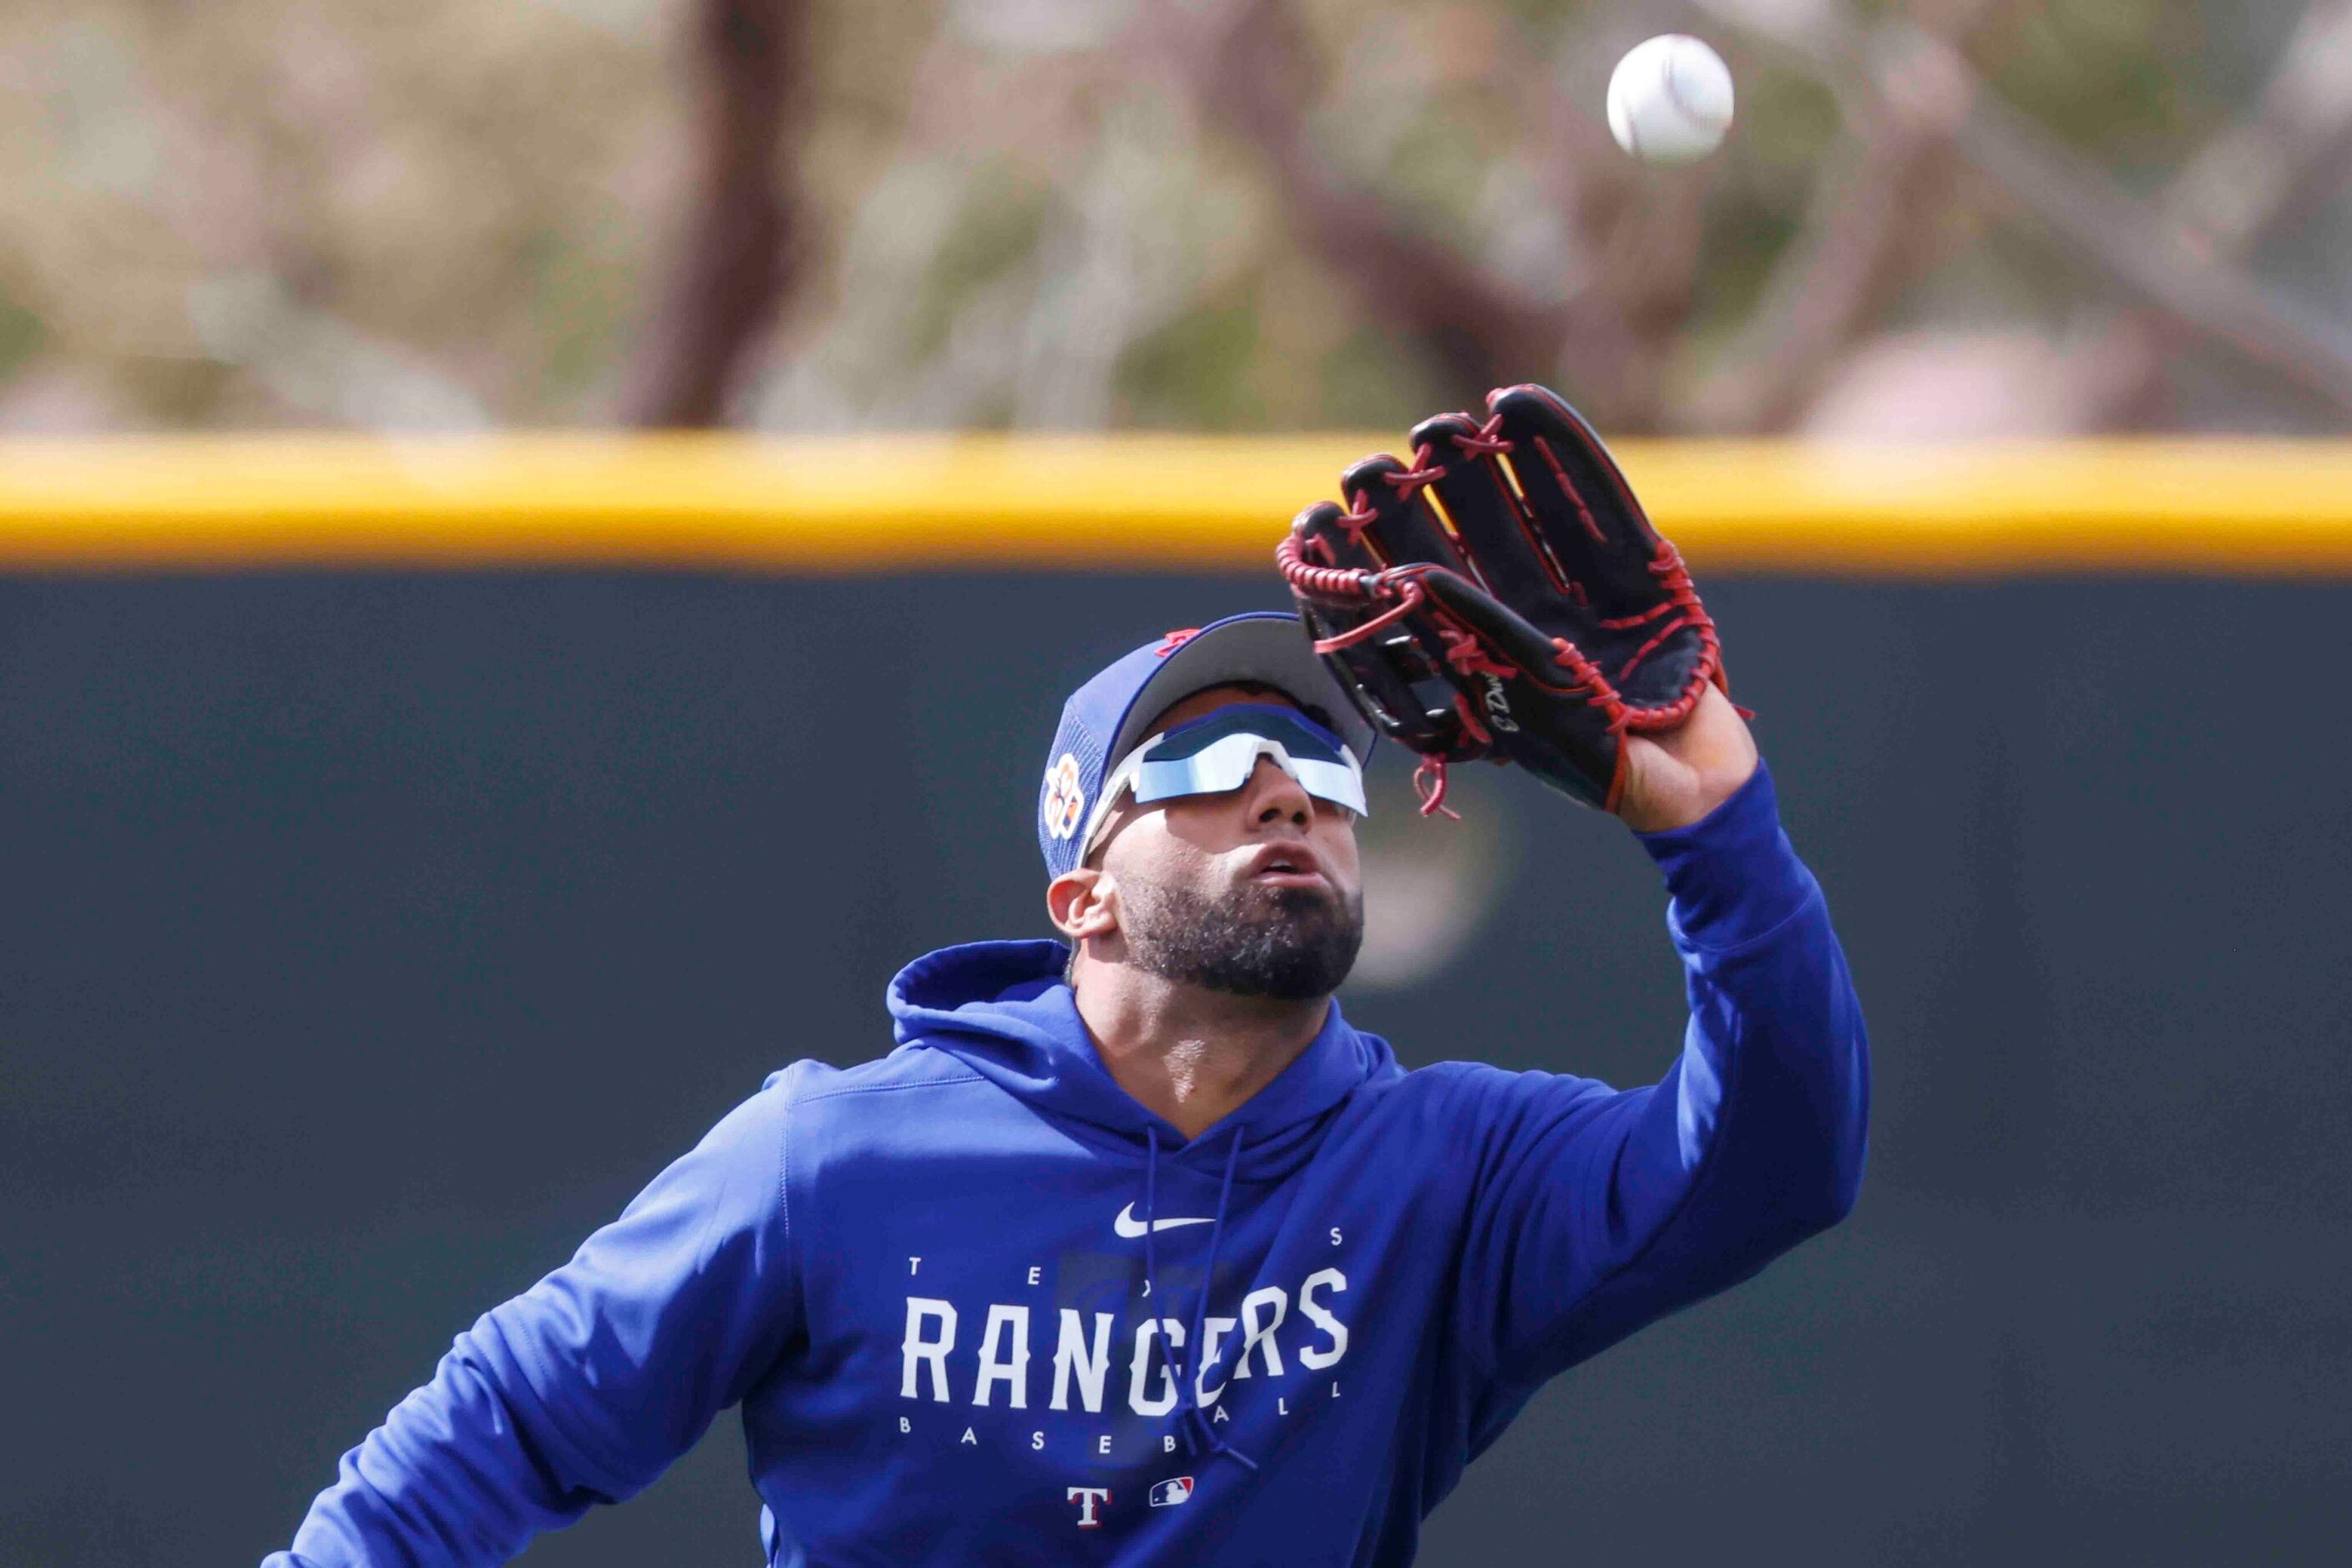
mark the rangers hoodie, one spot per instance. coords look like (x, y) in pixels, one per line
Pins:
(979, 1305)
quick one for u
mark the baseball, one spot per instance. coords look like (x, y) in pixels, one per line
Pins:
(1670, 99)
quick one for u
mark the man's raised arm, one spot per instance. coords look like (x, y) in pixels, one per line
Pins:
(1504, 596)
(1600, 1211)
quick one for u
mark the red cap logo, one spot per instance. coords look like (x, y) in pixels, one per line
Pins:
(1065, 797)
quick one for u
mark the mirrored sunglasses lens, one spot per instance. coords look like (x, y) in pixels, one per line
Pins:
(1223, 765)
(1293, 731)
(1340, 785)
(1227, 764)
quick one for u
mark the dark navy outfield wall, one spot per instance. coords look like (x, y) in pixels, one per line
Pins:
(364, 942)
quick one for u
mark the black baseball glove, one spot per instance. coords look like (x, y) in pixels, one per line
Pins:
(1503, 596)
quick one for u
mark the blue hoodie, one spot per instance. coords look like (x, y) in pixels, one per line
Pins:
(979, 1305)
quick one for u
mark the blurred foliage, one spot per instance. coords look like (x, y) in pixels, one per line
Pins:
(1026, 213)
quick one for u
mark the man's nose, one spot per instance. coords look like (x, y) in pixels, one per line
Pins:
(1276, 798)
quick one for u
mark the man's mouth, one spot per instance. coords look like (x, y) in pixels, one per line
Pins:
(1285, 865)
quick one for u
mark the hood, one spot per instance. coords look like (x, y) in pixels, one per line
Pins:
(1002, 1009)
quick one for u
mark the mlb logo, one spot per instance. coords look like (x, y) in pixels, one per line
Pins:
(1168, 1494)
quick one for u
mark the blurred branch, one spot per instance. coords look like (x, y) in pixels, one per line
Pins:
(2248, 182)
(736, 254)
(1253, 72)
(1899, 70)
(1861, 243)
(2288, 154)
(1631, 234)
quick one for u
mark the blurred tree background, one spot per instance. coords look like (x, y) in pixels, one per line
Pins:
(1964, 217)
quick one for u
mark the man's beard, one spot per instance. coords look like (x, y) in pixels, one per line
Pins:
(1293, 944)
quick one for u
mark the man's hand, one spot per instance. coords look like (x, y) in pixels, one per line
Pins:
(1504, 596)
(1676, 776)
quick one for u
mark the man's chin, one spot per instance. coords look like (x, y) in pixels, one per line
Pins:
(1298, 899)
(1291, 943)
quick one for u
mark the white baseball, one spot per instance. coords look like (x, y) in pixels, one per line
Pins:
(1670, 99)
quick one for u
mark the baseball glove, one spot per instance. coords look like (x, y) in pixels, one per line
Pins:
(1503, 596)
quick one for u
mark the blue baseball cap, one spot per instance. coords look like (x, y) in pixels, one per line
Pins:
(1108, 717)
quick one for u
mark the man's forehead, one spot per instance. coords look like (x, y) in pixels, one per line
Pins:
(1208, 700)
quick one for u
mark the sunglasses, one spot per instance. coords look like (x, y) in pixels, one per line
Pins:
(1217, 753)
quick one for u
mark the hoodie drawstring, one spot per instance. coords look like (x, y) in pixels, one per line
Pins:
(1199, 1419)
(1151, 1228)
(1171, 1364)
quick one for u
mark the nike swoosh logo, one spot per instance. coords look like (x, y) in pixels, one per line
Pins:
(1127, 1226)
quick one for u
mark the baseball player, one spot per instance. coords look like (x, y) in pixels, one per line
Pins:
(1134, 1250)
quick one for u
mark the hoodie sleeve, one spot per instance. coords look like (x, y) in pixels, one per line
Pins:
(1597, 1212)
(583, 1389)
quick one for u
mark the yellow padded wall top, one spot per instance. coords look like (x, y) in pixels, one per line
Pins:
(1130, 503)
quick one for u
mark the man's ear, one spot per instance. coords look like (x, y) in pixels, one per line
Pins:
(1083, 903)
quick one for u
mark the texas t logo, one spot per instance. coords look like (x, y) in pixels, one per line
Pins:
(1087, 1499)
